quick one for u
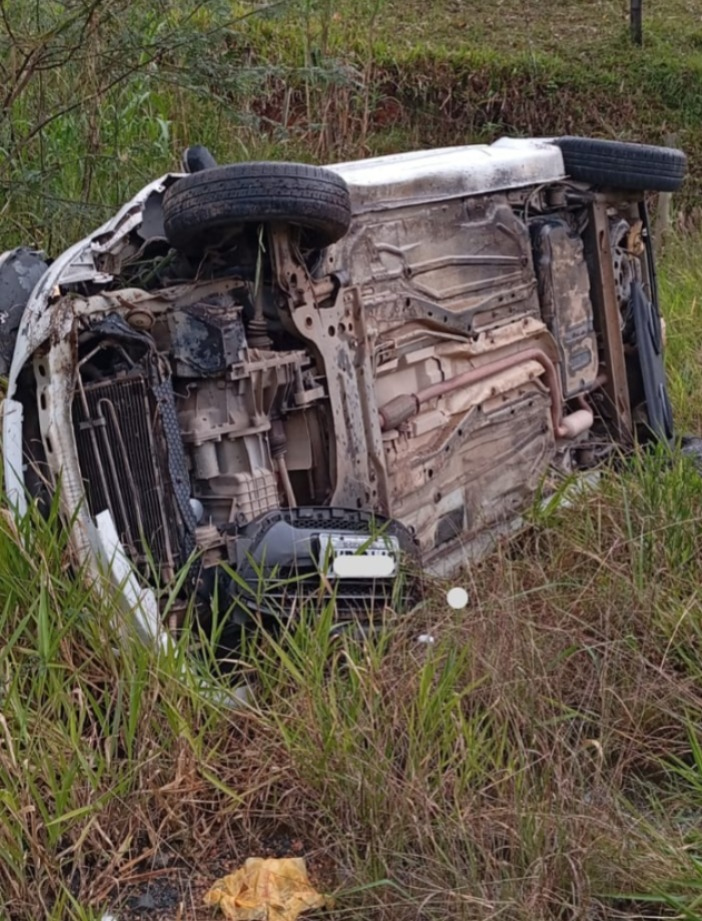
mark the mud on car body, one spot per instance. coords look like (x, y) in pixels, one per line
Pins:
(270, 370)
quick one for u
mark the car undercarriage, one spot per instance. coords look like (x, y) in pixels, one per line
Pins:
(260, 388)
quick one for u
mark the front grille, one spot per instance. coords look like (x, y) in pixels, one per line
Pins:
(123, 458)
(277, 559)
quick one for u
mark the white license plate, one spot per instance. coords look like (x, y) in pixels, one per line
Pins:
(357, 556)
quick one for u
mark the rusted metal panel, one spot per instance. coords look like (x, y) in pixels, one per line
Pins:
(608, 319)
(337, 336)
(462, 266)
(564, 289)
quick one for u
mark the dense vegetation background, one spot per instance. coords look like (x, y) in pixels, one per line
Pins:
(543, 759)
(99, 95)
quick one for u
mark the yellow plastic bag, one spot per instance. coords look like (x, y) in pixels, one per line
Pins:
(266, 889)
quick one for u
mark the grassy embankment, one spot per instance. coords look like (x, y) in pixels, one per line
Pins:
(93, 105)
(542, 759)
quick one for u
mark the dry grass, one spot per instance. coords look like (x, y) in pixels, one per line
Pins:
(522, 766)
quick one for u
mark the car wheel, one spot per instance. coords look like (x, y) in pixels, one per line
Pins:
(200, 207)
(623, 165)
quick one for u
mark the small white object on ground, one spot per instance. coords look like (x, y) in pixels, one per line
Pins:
(457, 597)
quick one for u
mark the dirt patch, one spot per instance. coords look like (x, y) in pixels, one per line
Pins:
(176, 891)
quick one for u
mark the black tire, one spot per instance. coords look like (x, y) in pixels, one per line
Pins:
(620, 165)
(199, 207)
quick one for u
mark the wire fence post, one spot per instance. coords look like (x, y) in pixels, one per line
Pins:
(636, 19)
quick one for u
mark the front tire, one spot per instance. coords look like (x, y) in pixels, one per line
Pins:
(200, 208)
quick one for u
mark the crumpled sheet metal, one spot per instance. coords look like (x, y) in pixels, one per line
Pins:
(266, 889)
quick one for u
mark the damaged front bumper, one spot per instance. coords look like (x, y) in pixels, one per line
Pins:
(47, 324)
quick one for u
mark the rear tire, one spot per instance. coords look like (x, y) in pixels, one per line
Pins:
(200, 208)
(622, 165)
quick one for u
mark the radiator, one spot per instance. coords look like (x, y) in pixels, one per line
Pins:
(123, 455)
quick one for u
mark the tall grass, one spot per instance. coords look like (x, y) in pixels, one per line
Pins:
(539, 759)
(681, 296)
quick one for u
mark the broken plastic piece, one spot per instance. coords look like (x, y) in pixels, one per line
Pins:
(266, 889)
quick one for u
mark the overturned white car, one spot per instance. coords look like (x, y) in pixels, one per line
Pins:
(270, 375)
